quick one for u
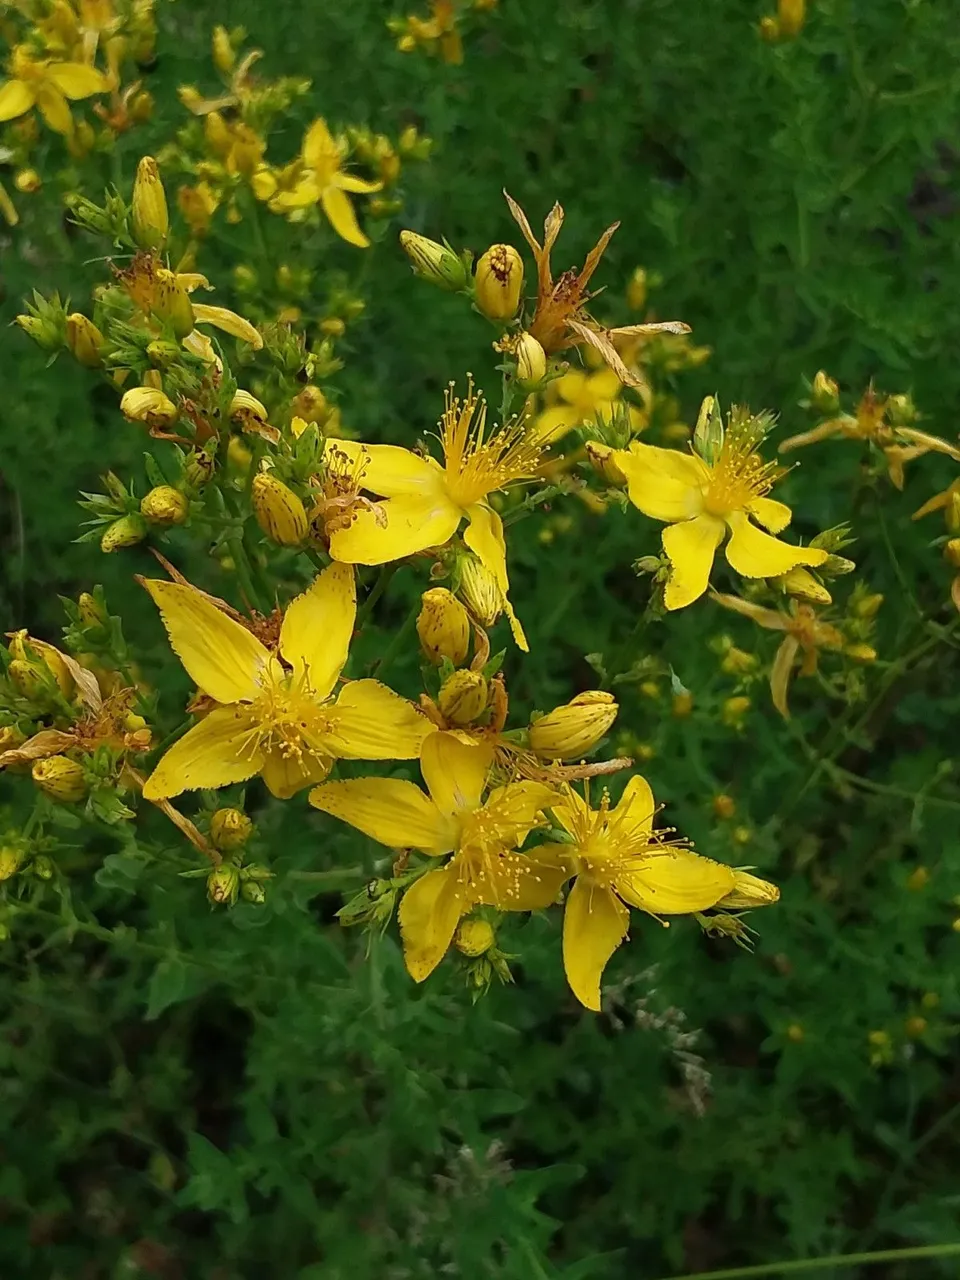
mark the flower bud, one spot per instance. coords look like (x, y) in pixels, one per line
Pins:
(951, 553)
(149, 221)
(171, 303)
(434, 262)
(60, 778)
(951, 513)
(162, 353)
(279, 512)
(791, 15)
(11, 859)
(749, 891)
(570, 731)
(724, 806)
(737, 662)
(498, 281)
(147, 404)
(604, 462)
(27, 181)
(709, 434)
(801, 583)
(10, 738)
(531, 362)
(861, 652)
(463, 697)
(867, 606)
(85, 340)
(37, 654)
(637, 290)
(311, 405)
(224, 55)
(443, 626)
(230, 829)
(165, 506)
(198, 467)
(474, 936)
(253, 891)
(825, 394)
(480, 591)
(901, 411)
(245, 405)
(682, 705)
(835, 566)
(223, 884)
(733, 711)
(125, 532)
(44, 330)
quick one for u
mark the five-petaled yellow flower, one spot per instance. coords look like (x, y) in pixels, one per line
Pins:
(425, 502)
(277, 714)
(47, 85)
(485, 868)
(323, 179)
(701, 501)
(578, 397)
(619, 863)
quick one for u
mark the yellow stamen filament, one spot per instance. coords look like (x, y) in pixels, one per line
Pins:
(739, 475)
(288, 718)
(476, 463)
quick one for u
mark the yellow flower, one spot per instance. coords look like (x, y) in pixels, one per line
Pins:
(701, 501)
(452, 818)
(582, 398)
(425, 502)
(324, 180)
(277, 714)
(804, 632)
(620, 862)
(47, 85)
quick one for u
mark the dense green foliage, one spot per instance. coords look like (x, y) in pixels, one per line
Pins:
(248, 1093)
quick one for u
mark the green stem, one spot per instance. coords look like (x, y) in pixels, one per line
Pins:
(397, 643)
(835, 1260)
(337, 878)
(376, 591)
(239, 556)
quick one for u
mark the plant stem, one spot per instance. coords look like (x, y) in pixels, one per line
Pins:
(376, 591)
(835, 1260)
(399, 639)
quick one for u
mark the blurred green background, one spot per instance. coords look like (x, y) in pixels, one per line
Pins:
(235, 1095)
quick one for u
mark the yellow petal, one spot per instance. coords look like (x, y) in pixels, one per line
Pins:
(662, 483)
(220, 656)
(319, 147)
(75, 79)
(454, 772)
(371, 722)
(555, 422)
(389, 810)
(54, 108)
(690, 548)
(305, 193)
(16, 98)
(603, 385)
(358, 186)
(520, 882)
(674, 882)
(570, 810)
(229, 322)
(317, 628)
(768, 618)
(339, 211)
(214, 753)
(484, 536)
(773, 515)
(429, 913)
(594, 925)
(389, 471)
(755, 554)
(413, 522)
(570, 387)
(286, 775)
(634, 812)
(780, 673)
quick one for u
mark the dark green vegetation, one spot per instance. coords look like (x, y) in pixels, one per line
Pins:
(248, 1094)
